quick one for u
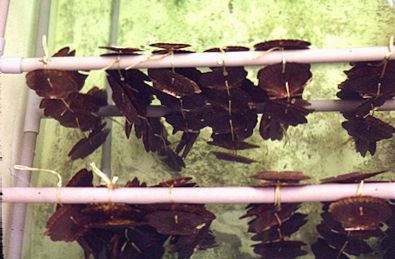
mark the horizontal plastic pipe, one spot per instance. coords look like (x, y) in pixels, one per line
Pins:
(206, 59)
(316, 105)
(309, 193)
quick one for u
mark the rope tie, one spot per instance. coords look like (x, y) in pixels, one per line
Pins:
(387, 57)
(172, 61)
(110, 183)
(283, 61)
(53, 172)
(264, 53)
(150, 58)
(277, 196)
(225, 74)
(360, 188)
(171, 195)
(288, 92)
(45, 58)
(222, 62)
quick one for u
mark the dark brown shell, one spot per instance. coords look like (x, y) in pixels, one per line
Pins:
(367, 87)
(269, 216)
(135, 182)
(278, 115)
(72, 118)
(233, 157)
(187, 245)
(186, 143)
(172, 83)
(234, 100)
(362, 69)
(281, 176)
(179, 182)
(87, 146)
(360, 212)
(120, 51)
(243, 122)
(273, 80)
(191, 123)
(322, 250)
(217, 80)
(170, 46)
(353, 177)
(172, 222)
(55, 84)
(140, 242)
(83, 178)
(287, 228)
(225, 141)
(112, 215)
(287, 44)
(122, 101)
(367, 131)
(280, 249)
(228, 49)
(77, 110)
(350, 245)
(67, 223)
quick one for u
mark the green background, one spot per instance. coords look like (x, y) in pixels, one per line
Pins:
(319, 148)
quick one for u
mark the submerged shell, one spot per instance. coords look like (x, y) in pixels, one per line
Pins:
(280, 249)
(87, 146)
(367, 131)
(174, 222)
(232, 157)
(66, 224)
(225, 141)
(172, 83)
(360, 212)
(274, 80)
(322, 250)
(221, 79)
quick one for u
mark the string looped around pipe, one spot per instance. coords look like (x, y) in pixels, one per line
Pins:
(33, 169)
(53, 172)
(45, 58)
(360, 188)
(171, 195)
(110, 183)
(277, 196)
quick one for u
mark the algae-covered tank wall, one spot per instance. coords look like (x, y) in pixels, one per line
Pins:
(319, 148)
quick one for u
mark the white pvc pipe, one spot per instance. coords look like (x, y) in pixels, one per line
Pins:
(308, 193)
(31, 130)
(316, 105)
(206, 59)
(106, 150)
(4, 4)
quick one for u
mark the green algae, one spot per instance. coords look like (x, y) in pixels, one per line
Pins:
(319, 148)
